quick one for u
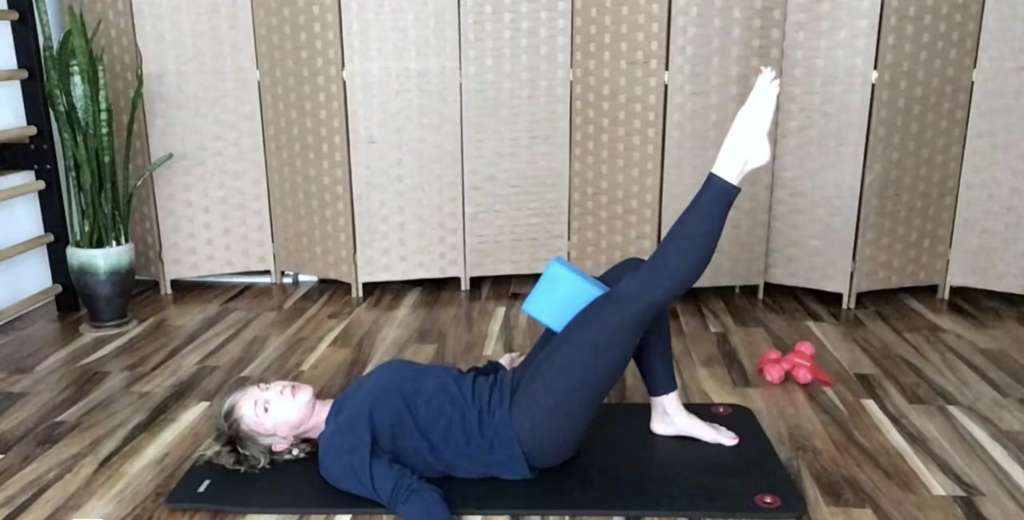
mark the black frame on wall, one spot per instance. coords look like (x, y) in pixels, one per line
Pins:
(39, 154)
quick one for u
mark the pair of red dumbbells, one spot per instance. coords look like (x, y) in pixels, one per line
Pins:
(800, 363)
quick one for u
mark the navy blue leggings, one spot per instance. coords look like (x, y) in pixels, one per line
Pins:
(564, 379)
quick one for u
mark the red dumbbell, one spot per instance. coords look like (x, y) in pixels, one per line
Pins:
(774, 366)
(802, 374)
(771, 367)
(802, 366)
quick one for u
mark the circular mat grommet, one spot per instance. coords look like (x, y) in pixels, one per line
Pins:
(767, 501)
(721, 409)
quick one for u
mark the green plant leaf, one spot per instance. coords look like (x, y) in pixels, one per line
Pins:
(56, 100)
(153, 166)
(67, 119)
(79, 116)
(95, 30)
(84, 88)
(109, 169)
(129, 132)
(100, 192)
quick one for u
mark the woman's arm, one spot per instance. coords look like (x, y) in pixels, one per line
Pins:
(408, 495)
(367, 472)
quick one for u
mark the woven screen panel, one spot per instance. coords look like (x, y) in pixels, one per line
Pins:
(915, 142)
(715, 51)
(988, 250)
(117, 39)
(202, 103)
(619, 62)
(402, 70)
(822, 133)
(306, 134)
(515, 117)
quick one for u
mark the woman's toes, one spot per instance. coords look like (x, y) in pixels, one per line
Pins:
(726, 436)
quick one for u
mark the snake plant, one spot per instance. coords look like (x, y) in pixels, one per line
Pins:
(100, 191)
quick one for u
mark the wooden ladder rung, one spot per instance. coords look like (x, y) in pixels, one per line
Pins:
(9, 15)
(19, 307)
(8, 253)
(21, 190)
(13, 75)
(22, 132)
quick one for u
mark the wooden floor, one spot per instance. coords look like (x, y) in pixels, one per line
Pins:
(926, 420)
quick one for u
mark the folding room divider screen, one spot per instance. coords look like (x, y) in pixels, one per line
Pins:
(392, 140)
(828, 60)
(203, 104)
(926, 54)
(620, 52)
(515, 140)
(402, 66)
(988, 238)
(305, 131)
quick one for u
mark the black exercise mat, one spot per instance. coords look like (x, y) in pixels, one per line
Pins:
(621, 470)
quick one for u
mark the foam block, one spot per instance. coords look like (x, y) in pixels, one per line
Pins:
(562, 291)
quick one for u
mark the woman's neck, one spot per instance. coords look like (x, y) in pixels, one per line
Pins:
(318, 420)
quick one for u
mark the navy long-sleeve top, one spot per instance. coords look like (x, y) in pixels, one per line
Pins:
(405, 422)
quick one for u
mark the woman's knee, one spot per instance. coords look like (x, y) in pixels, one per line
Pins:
(620, 270)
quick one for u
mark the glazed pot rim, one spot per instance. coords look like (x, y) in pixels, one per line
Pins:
(129, 245)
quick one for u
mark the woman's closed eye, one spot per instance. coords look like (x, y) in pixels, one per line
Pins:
(260, 407)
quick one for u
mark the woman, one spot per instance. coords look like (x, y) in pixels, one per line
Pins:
(404, 422)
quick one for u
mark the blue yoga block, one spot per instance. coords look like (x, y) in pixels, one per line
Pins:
(562, 291)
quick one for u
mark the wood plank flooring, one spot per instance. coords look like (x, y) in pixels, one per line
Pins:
(926, 420)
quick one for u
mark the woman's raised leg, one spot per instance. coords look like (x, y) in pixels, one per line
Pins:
(554, 401)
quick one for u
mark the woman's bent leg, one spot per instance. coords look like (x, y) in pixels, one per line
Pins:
(553, 402)
(653, 355)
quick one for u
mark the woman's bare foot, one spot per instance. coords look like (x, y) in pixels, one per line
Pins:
(670, 418)
(746, 146)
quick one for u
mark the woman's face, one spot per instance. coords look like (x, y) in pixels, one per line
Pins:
(280, 408)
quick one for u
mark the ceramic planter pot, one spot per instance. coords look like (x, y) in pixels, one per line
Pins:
(104, 279)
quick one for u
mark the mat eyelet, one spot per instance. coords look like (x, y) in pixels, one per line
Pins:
(768, 501)
(721, 409)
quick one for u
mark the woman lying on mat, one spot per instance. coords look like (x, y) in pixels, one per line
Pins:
(404, 422)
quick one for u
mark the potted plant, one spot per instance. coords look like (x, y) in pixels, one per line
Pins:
(99, 189)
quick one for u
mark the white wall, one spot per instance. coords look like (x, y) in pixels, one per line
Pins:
(20, 218)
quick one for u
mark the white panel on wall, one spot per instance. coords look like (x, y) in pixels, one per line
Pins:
(402, 72)
(515, 116)
(20, 218)
(13, 113)
(202, 103)
(988, 236)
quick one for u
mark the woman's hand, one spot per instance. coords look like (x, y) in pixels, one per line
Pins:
(511, 360)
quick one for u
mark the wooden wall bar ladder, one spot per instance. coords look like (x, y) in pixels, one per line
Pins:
(31, 148)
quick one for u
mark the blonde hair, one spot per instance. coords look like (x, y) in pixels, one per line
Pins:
(235, 447)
